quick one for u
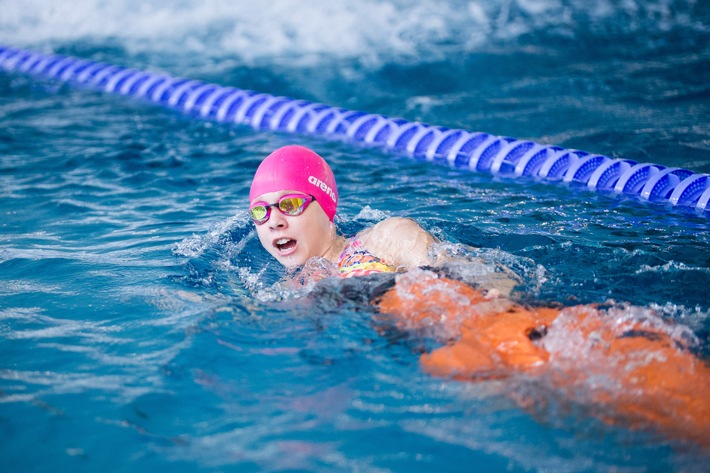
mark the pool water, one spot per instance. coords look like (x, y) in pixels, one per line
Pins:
(143, 328)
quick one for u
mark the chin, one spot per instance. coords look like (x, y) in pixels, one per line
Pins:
(291, 262)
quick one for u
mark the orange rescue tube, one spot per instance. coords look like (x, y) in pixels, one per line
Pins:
(626, 363)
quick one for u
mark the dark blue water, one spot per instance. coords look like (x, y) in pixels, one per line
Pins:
(142, 327)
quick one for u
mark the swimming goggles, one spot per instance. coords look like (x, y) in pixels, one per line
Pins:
(289, 204)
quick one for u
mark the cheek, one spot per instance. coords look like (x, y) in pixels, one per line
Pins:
(264, 238)
(319, 234)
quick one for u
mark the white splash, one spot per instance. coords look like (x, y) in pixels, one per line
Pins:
(305, 31)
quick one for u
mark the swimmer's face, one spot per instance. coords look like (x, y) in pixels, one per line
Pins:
(293, 240)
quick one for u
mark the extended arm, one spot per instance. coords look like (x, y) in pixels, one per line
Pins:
(399, 241)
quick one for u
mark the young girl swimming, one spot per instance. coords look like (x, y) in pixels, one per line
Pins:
(293, 200)
(626, 364)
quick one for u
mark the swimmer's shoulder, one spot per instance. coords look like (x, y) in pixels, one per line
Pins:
(399, 241)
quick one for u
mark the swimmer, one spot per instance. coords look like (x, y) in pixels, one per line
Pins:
(631, 369)
(293, 201)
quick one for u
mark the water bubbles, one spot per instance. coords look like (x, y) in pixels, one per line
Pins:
(218, 233)
(584, 338)
(368, 213)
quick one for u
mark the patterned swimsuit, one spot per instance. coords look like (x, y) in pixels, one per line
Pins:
(355, 260)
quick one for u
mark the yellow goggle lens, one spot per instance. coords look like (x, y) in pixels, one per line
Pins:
(258, 213)
(291, 205)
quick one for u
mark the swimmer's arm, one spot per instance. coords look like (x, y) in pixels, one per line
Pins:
(400, 242)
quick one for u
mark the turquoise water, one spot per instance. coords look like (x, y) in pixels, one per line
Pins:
(142, 327)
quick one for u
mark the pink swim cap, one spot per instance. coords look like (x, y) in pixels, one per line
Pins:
(297, 168)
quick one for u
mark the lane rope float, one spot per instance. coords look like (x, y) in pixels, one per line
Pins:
(476, 151)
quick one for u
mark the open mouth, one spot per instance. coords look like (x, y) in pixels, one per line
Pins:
(284, 244)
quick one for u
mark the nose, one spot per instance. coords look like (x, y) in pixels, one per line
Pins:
(277, 220)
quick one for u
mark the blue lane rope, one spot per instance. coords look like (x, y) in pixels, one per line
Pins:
(471, 150)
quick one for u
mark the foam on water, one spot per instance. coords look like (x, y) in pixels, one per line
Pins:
(303, 31)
